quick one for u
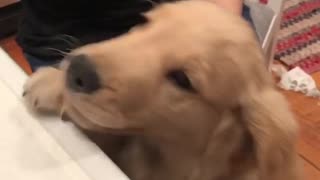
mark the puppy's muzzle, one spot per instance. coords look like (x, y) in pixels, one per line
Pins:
(81, 75)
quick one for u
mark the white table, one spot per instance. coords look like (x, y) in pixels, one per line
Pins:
(43, 148)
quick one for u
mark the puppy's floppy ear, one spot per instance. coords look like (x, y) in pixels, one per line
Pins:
(274, 131)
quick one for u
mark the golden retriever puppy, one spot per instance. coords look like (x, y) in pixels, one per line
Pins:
(184, 97)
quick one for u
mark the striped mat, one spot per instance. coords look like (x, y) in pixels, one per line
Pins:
(299, 37)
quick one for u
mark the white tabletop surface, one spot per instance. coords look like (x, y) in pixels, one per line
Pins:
(43, 148)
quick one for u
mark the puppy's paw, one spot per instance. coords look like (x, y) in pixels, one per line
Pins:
(43, 90)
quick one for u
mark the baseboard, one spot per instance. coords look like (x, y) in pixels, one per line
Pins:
(9, 19)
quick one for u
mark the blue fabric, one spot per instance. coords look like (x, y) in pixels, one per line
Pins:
(247, 15)
(37, 62)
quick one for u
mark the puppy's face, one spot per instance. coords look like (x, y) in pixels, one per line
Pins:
(178, 71)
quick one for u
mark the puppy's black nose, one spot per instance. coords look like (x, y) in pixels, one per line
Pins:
(81, 75)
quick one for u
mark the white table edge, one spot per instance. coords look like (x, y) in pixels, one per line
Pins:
(97, 166)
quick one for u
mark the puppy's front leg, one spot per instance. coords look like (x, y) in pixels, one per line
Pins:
(43, 90)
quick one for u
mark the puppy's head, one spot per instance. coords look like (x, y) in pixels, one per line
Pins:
(178, 74)
(190, 58)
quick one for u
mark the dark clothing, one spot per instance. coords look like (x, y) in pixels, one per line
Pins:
(50, 26)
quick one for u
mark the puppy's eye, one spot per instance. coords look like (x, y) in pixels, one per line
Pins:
(179, 78)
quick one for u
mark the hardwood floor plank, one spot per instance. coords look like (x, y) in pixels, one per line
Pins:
(310, 172)
(308, 145)
(307, 112)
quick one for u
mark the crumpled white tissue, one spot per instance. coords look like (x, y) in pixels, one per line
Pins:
(299, 81)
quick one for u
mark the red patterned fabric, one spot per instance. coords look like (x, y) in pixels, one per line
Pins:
(299, 37)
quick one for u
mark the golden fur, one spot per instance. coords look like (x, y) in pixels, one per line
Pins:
(235, 126)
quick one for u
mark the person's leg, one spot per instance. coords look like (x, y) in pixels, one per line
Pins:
(35, 62)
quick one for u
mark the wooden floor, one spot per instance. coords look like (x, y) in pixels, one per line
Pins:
(307, 111)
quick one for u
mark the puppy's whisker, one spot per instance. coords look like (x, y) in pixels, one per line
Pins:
(63, 53)
(153, 3)
(71, 41)
(69, 49)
